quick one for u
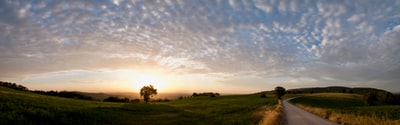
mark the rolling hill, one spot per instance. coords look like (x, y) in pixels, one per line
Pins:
(26, 108)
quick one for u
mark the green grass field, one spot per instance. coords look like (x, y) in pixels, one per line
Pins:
(330, 100)
(349, 105)
(18, 107)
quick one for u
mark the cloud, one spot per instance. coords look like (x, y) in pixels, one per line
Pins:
(264, 5)
(301, 40)
(355, 18)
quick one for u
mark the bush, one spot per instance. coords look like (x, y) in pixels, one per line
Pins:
(210, 94)
(116, 99)
(135, 100)
(370, 98)
(263, 95)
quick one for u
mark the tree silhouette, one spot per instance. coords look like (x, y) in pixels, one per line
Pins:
(370, 98)
(387, 97)
(263, 95)
(116, 99)
(279, 91)
(147, 92)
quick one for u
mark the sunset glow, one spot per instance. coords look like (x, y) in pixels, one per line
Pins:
(148, 79)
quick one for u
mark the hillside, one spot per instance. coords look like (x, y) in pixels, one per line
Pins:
(340, 89)
(26, 108)
(348, 108)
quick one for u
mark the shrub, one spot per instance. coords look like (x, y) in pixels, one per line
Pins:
(263, 95)
(135, 100)
(116, 99)
(370, 98)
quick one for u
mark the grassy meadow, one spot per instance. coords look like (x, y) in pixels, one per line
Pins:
(348, 109)
(20, 107)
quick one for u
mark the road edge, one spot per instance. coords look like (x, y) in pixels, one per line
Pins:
(275, 116)
(288, 100)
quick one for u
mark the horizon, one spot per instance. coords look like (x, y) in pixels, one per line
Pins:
(189, 92)
(200, 46)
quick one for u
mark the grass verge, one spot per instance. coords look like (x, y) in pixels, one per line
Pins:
(348, 109)
(273, 115)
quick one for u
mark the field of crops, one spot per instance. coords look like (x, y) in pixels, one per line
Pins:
(18, 107)
(348, 108)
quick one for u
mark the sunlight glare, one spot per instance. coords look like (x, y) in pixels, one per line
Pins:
(149, 79)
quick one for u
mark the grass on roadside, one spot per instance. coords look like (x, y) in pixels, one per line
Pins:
(348, 109)
(274, 115)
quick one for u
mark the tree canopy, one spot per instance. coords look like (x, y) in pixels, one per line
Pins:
(370, 98)
(147, 92)
(280, 91)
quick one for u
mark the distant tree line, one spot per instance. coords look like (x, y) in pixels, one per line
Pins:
(335, 89)
(64, 94)
(75, 95)
(126, 100)
(195, 94)
(162, 100)
(13, 86)
(210, 94)
(116, 99)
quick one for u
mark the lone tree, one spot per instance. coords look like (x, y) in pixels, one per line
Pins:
(279, 91)
(370, 98)
(147, 92)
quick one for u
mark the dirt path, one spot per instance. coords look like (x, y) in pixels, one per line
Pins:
(297, 116)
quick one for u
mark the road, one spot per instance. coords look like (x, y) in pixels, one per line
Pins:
(297, 116)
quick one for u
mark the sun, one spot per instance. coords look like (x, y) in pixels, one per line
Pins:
(141, 80)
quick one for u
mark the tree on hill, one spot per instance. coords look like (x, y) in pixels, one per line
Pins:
(387, 97)
(370, 98)
(147, 92)
(279, 91)
(13, 86)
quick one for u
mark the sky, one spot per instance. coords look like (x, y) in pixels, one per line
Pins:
(226, 46)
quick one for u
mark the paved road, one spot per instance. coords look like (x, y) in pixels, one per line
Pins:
(297, 116)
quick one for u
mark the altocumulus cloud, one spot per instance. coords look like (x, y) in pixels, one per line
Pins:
(258, 43)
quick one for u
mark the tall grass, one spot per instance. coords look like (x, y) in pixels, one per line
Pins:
(348, 109)
(350, 119)
(273, 115)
